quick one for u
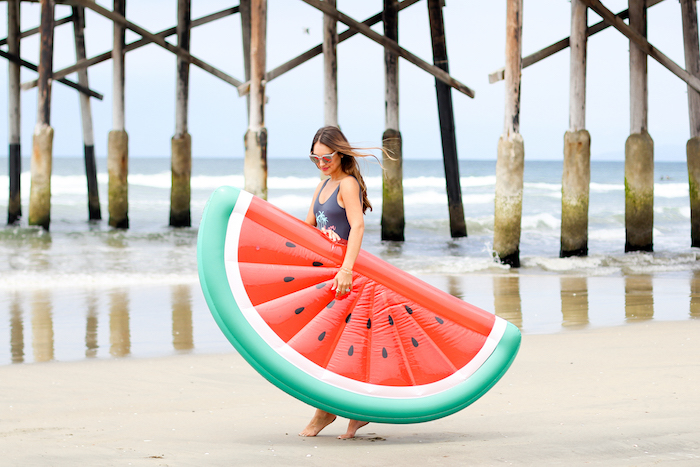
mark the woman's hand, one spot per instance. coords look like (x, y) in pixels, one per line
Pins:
(331, 234)
(342, 284)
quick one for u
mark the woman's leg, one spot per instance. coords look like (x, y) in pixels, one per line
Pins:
(320, 420)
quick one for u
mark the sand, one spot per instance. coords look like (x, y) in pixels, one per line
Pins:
(624, 395)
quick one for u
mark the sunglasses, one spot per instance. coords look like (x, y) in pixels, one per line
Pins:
(327, 158)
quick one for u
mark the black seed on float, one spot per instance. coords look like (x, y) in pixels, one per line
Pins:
(322, 335)
(351, 350)
(391, 320)
(320, 286)
(290, 245)
(439, 320)
(317, 263)
(330, 305)
(298, 310)
(369, 324)
(414, 342)
(347, 319)
(408, 309)
(288, 279)
(384, 354)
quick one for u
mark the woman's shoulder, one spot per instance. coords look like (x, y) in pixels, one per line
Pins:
(350, 181)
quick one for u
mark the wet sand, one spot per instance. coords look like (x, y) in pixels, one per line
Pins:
(623, 395)
(77, 323)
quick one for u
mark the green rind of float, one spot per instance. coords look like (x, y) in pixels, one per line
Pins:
(301, 385)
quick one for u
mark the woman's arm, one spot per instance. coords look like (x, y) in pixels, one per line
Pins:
(350, 198)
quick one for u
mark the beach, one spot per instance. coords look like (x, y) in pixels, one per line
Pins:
(110, 356)
(623, 395)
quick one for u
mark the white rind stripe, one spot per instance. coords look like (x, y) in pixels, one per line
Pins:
(295, 358)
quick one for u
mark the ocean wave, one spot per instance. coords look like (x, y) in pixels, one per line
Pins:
(540, 221)
(606, 187)
(626, 264)
(671, 190)
(418, 265)
(76, 184)
(543, 186)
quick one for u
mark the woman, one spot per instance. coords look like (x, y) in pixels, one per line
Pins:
(337, 208)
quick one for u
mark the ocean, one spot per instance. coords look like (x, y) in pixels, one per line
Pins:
(84, 290)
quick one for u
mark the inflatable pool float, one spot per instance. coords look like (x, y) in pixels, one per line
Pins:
(393, 350)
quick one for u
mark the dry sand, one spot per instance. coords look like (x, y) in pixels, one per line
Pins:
(626, 395)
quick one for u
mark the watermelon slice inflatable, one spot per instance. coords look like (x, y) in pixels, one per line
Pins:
(393, 350)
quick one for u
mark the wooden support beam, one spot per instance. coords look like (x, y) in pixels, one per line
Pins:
(639, 147)
(123, 22)
(94, 211)
(531, 59)
(33, 31)
(692, 64)
(577, 66)
(393, 219)
(42, 144)
(458, 226)
(643, 44)
(511, 150)
(16, 59)
(82, 64)
(14, 206)
(638, 69)
(245, 32)
(388, 43)
(255, 163)
(318, 50)
(118, 139)
(181, 144)
(692, 61)
(330, 68)
(576, 173)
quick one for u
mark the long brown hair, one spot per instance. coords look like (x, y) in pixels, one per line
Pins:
(335, 139)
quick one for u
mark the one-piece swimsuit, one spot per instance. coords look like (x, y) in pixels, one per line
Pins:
(330, 215)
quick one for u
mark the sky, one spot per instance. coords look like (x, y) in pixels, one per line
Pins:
(475, 35)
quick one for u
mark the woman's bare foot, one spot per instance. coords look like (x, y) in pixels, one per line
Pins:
(321, 420)
(353, 426)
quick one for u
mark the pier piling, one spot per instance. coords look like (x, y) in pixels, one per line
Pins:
(458, 226)
(692, 66)
(576, 180)
(42, 144)
(14, 207)
(118, 139)
(576, 174)
(639, 192)
(393, 220)
(330, 68)
(511, 148)
(255, 163)
(639, 147)
(94, 211)
(181, 143)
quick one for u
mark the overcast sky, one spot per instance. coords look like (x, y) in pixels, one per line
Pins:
(475, 34)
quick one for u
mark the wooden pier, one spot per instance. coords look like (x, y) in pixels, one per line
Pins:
(253, 14)
(639, 148)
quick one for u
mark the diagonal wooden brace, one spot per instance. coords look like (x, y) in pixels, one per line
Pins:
(67, 82)
(58, 74)
(33, 31)
(643, 44)
(391, 45)
(318, 50)
(122, 21)
(531, 59)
